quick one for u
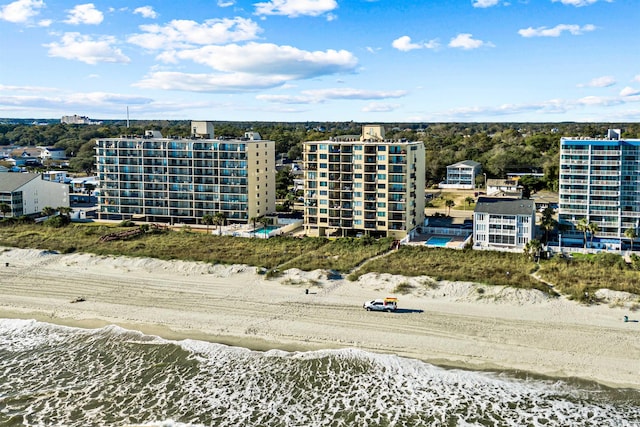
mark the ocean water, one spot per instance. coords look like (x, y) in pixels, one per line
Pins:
(59, 376)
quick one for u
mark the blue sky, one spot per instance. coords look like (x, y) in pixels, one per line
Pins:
(323, 60)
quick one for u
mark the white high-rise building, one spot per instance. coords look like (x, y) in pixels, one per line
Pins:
(367, 185)
(600, 183)
(162, 179)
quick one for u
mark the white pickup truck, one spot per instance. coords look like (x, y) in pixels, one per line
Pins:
(386, 304)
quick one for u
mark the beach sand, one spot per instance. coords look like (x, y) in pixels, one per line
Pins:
(453, 324)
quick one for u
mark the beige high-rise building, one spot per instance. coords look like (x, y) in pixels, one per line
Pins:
(366, 185)
(182, 179)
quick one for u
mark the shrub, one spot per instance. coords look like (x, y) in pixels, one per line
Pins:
(403, 288)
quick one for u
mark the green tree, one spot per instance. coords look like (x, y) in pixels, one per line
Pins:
(547, 223)
(219, 219)
(5, 209)
(583, 226)
(449, 204)
(48, 211)
(631, 234)
(64, 210)
(207, 219)
(469, 200)
(593, 229)
(532, 249)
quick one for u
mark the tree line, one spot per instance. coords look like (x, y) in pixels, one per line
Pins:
(500, 147)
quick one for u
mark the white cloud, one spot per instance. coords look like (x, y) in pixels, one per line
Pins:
(85, 49)
(295, 8)
(579, 3)
(604, 81)
(220, 83)
(349, 93)
(485, 3)
(267, 59)
(377, 107)
(45, 23)
(636, 78)
(39, 89)
(466, 41)
(146, 12)
(556, 31)
(317, 96)
(20, 11)
(186, 33)
(74, 101)
(405, 44)
(551, 106)
(629, 91)
(84, 14)
(223, 3)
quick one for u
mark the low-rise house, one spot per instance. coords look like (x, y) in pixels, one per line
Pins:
(84, 184)
(462, 175)
(503, 224)
(49, 153)
(56, 176)
(504, 188)
(28, 193)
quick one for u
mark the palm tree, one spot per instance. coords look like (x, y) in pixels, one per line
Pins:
(593, 229)
(207, 219)
(532, 248)
(631, 234)
(64, 210)
(449, 204)
(48, 211)
(469, 200)
(5, 209)
(218, 219)
(583, 225)
(264, 221)
(547, 223)
(253, 220)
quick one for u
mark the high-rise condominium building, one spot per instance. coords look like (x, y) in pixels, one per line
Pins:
(600, 182)
(365, 184)
(173, 179)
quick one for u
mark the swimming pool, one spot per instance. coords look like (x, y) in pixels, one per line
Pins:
(438, 241)
(266, 230)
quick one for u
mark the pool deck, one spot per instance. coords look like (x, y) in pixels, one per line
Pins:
(455, 242)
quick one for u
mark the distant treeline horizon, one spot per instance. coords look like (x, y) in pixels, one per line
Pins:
(500, 147)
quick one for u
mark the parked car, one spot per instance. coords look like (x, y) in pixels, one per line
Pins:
(386, 304)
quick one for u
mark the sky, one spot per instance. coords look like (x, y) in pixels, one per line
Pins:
(322, 60)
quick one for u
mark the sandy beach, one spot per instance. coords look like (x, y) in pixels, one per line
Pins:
(445, 323)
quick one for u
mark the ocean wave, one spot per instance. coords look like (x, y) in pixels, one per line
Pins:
(112, 376)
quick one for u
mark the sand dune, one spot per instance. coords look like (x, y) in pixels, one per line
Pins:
(448, 323)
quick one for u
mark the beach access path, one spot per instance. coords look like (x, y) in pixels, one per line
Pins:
(455, 324)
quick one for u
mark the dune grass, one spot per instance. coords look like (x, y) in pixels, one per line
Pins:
(306, 254)
(578, 277)
(486, 267)
(581, 276)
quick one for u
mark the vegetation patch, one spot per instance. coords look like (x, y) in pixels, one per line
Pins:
(403, 288)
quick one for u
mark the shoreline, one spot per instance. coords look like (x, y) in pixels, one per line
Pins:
(447, 324)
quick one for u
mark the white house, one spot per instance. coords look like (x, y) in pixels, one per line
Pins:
(462, 175)
(504, 187)
(28, 193)
(503, 224)
(47, 153)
